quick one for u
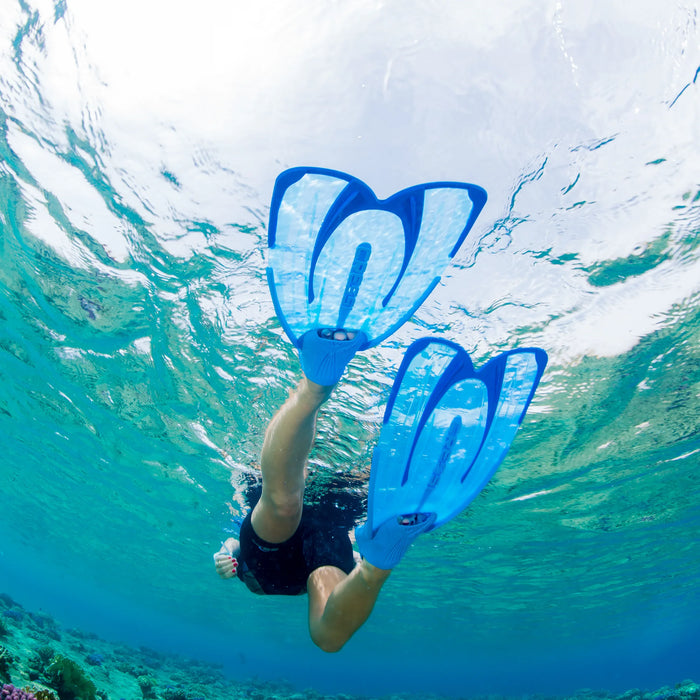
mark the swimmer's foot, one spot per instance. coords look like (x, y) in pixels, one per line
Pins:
(325, 353)
(336, 334)
(385, 546)
(412, 519)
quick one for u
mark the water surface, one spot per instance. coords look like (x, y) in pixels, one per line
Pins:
(140, 358)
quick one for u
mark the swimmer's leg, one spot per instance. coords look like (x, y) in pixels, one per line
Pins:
(288, 440)
(339, 604)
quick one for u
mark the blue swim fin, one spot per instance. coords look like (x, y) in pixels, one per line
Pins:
(446, 429)
(341, 258)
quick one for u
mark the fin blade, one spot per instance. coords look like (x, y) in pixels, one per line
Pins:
(403, 437)
(447, 428)
(320, 219)
(511, 379)
(300, 202)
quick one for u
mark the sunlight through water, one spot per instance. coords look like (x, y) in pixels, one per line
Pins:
(140, 357)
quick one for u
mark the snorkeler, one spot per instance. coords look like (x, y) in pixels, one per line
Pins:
(367, 265)
(283, 552)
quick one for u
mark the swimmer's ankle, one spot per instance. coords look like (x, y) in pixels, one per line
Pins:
(316, 394)
(373, 574)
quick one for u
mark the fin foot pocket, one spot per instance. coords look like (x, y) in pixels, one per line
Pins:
(323, 358)
(385, 547)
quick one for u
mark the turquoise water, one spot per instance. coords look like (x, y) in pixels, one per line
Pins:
(140, 358)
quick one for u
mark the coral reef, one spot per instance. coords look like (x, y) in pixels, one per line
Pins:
(6, 660)
(39, 662)
(45, 694)
(69, 680)
(43, 660)
(174, 694)
(9, 692)
(47, 625)
(148, 685)
(687, 690)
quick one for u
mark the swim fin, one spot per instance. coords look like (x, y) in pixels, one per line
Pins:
(446, 429)
(339, 258)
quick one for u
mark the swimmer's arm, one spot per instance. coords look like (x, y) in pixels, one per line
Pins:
(229, 547)
(339, 603)
(225, 562)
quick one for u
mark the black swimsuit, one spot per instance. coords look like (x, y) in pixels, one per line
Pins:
(283, 568)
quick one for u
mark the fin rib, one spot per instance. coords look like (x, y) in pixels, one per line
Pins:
(363, 252)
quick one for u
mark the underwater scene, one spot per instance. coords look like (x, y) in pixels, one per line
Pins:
(142, 358)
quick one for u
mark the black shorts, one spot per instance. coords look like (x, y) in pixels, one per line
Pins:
(283, 568)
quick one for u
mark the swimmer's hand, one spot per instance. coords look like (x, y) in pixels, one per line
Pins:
(225, 561)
